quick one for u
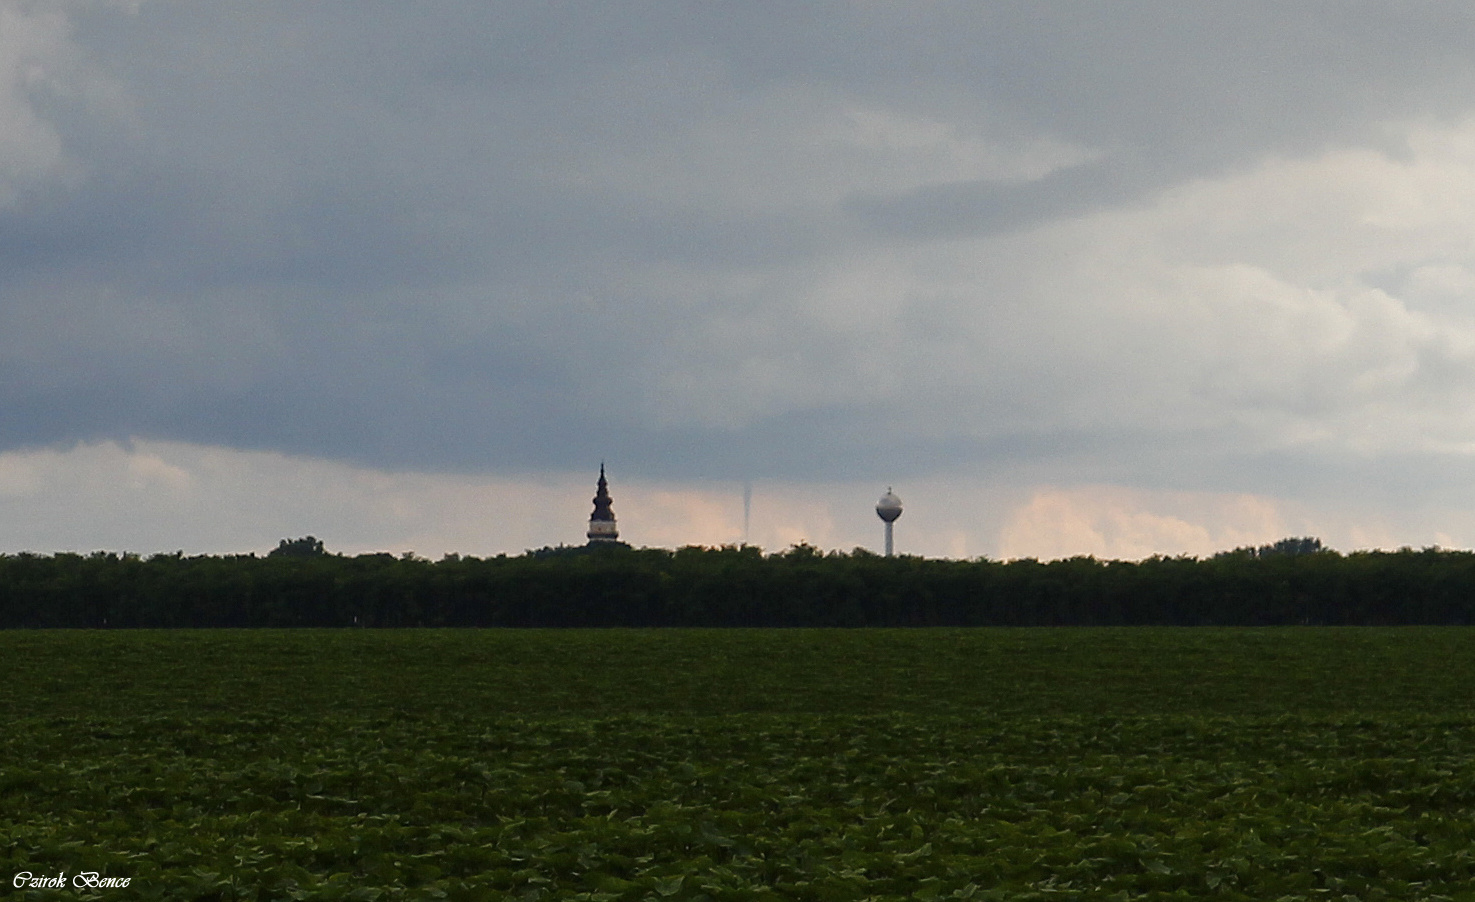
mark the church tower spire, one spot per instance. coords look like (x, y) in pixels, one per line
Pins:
(602, 521)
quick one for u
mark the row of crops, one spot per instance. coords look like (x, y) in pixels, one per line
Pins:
(798, 764)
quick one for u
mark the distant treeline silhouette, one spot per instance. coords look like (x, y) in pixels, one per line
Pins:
(300, 585)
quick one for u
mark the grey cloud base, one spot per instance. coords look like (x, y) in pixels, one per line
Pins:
(736, 241)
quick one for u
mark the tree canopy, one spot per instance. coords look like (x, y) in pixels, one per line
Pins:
(1300, 583)
(307, 546)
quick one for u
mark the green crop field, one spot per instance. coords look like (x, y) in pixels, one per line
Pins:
(734, 765)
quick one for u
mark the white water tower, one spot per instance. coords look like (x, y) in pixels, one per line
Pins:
(888, 509)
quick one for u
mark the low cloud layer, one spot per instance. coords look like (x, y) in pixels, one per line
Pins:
(148, 497)
(1145, 248)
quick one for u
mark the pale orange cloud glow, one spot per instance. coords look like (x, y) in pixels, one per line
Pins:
(1119, 523)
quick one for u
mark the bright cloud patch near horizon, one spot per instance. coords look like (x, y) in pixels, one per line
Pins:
(1118, 524)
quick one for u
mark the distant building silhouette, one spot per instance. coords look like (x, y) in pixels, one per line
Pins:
(602, 521)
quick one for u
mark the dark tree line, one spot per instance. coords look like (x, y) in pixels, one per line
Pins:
(1293, 582)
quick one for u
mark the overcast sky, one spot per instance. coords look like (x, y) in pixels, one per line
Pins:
(1074, 278)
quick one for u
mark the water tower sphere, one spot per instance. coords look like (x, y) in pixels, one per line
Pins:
(889, 507)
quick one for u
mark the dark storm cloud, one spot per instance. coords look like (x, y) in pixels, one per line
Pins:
(456, 235)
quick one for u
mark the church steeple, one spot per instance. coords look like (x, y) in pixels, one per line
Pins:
(602, 521)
